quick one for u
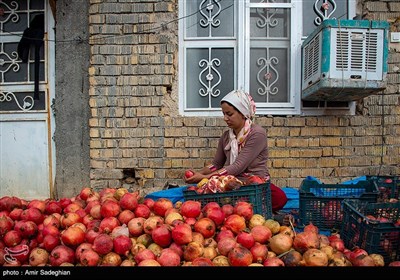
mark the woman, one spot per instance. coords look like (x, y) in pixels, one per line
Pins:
(242, 149)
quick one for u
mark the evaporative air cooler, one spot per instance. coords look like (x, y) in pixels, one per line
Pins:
(345, 60)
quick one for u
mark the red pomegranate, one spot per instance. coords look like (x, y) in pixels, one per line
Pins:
(182, 234)
(103, 244)
(108, 224)
(259, 252)
(135, 226)
(227, 209)
(68, 219)
(205, 226)
(72, 236)
(128, 201)
(273, 261)
(15, 214)
(90, 258)
(110, 208)
(142, 210)
(216, 214)
(145, 254)
(240, 256)
(51, 220)
(306, 240)
(125, 216)
(28, 229)
(149, 202)
(246, 239)
(37, 203)
(61, 254)
(12, 238)
(161, 235)
(161, 205)
(151, 223)
(122, 245)
(81, 248)
(244, 209)
(223, 233)
(225, 245)
(168, 257)
(50, 242)
(235, 223)
(190, 209)
(202, 261)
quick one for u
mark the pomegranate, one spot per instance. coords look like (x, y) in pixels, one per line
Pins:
(161, 235)
(235, 223)
(224, 233)
(168, 257)
(292, 258)
(122, 245)
(28, 229)
(244, 209)
(378, 259)
(145, 254)
(110, 209)
(171, 217)
(61, 254)
(53, 206)
(315, 257)
(190, 209)
(192, 250)
(120, 230)
(259, 252)
(51, 220)
(311, 227)
(216, 214)
(108, 224)
(38, 204)
(128, 201)
(103, 244)
(225, 245)
(205, 226)
(246, 239)
(280, 243)
(91, 234)
(52, 230)
(135, 226)
(240, 256)
(38, 257)
(72, 207)
(151, 223)
(68, 219)
(125, 216)
(72, 236)
(15, 214)
(90, 258)
(261, 234)
(161, 205)
(12, 238)
(174, 246)
(220, 260)
(182, 234)
(306, 240)
(227, 209)
(149, 202)
(50, 242)
(81, 248)
(273, 225)
(111, 259)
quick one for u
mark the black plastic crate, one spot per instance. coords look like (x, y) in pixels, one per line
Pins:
(259, 195)
(389, 187)
(321, 204)
(360, 229)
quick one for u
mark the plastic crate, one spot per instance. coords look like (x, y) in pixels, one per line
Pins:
(259, 195)
(321, 204)
(389, 187)
(372, 236)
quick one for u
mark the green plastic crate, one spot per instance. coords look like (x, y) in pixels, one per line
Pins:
(372, 236)
(259, 195)
(389, 187)
(321, 204)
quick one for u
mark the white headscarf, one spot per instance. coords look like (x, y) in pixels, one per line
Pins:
(245, 104)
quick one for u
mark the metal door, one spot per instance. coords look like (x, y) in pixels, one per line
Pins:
(26, 119)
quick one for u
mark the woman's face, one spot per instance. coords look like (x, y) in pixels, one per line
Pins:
(233, 118)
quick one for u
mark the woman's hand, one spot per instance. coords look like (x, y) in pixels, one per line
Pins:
(195, 178)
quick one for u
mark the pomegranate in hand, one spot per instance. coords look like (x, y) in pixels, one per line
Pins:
(189, 173)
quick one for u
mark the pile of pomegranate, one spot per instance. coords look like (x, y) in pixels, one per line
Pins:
(114, 227)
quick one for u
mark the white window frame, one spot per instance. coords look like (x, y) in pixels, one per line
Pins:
(295, 105)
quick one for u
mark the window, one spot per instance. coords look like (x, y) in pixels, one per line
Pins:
(254, 45)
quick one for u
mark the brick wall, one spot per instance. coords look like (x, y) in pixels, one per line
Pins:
(138, 139)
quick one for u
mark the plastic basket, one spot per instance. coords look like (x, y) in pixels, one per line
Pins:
(389, 187)
(259, 195)
(358, 230)
(321, 204)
